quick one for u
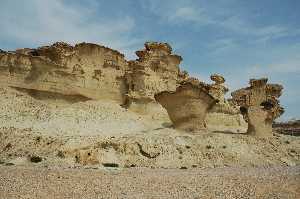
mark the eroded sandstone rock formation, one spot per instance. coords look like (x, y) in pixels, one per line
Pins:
(223, 116)
(260, 105)
(217, 89)
(188, 105)
(88, 70)
(155, 70)
(203, 106)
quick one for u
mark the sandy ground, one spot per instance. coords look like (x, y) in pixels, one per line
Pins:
(268, 183)
(71, 131)
(60, 147)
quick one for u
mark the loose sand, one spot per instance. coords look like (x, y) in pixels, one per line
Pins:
(268, 183)
(64, 147)
(75, 132)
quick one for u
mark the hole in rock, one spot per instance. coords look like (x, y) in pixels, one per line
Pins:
(267, 105)
(9, 164)
(60, 154)
(243, 110)
(110, 165)
(34, 53)
(35, 159)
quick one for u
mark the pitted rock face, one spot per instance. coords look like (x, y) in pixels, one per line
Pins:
(223, 115)
(91, 71)
(152, 46)
(85, 69)
(260, 122)
(259, 105)
(218, 79)
(218, 90)
(156, 70)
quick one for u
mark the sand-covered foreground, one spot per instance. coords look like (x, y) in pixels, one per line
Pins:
(53, 147)
(33, 182)
(64, 132)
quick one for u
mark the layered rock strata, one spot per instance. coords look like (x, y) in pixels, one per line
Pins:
(260, 105)
(88, 70)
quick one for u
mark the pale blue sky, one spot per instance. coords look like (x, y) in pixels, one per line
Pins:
(238, 38)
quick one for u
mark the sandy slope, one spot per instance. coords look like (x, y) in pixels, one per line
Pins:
(74, 132)
(54, 146)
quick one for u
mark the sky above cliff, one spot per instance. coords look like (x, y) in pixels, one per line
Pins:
(239, 39)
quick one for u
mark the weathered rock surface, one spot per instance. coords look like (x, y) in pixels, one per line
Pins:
(88, 70)
(217, 89)
(96, 72)
(52, 114)
(223, 116)
(259, 105)
(155, 70)
(188, 105)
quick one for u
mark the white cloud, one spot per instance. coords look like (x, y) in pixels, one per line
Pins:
(202, 13)
(44, 22)
(189, 14)
(289, 66)
(221, 45)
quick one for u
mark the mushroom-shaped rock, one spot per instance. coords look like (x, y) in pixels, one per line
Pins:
(217, 89)
(217, 78)
(187, 106)
(259, 105)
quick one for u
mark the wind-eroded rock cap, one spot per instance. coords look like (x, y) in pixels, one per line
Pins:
(259, 105)
(188, 105)
(219, 79)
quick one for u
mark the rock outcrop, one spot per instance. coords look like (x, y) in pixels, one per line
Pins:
(217, 89)
(96, 72)
(223, 116)
(202, 106)
(188, 105)
(155, 70)
(146, 85)
(88, 70)
(259, 105)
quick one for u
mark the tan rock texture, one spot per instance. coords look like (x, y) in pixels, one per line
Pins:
(155, 70)
(259, 105)
(89, 70)
(96, 72)
(188, 105)
(217, 89)
(223, 116)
